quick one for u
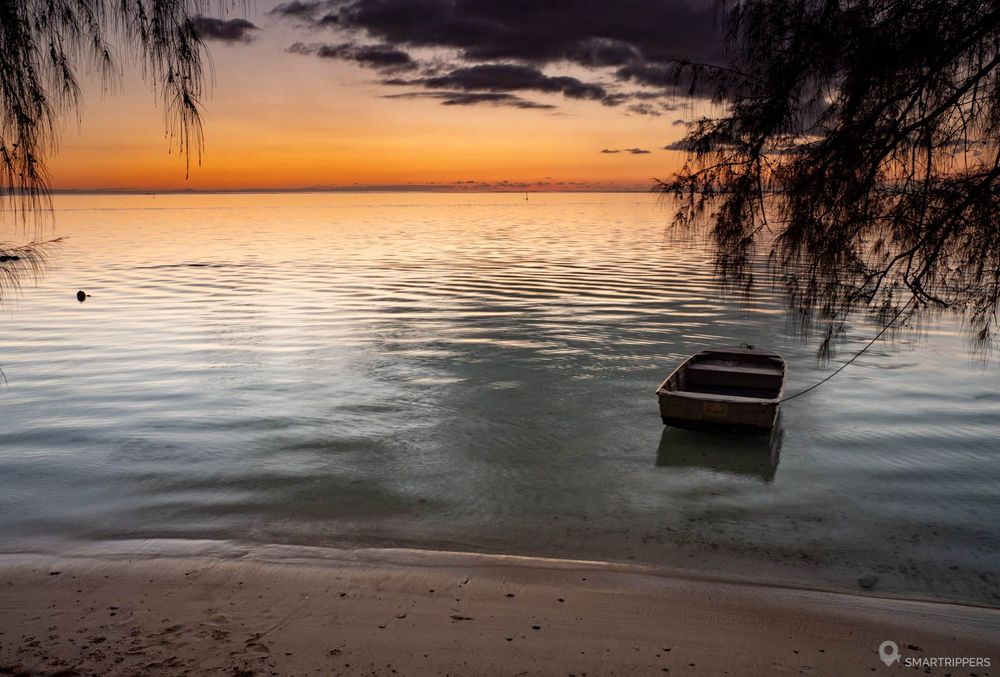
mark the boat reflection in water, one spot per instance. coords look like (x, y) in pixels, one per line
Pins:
(729, 453)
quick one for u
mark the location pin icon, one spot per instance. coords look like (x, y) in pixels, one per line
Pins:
(888, 651)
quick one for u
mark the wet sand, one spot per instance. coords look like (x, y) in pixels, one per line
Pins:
(161, 608)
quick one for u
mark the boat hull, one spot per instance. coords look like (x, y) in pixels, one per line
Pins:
(724, 389)
(682, 412)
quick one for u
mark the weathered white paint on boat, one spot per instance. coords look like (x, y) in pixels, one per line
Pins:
(724, 388)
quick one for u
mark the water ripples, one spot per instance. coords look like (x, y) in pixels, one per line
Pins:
(472, 371)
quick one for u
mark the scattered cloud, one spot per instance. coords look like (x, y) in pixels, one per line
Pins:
(304, 10)
(644, 109)
(597, 52)
(495, 46)
(685, 146)
(680, 144)
(473, 98)
(651, 75)
(558, 30)
(230, 31)
(381, 57)
(507, 78)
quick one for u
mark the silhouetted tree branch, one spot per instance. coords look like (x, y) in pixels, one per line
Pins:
(20, 261)
(44, 47)
(858, 146)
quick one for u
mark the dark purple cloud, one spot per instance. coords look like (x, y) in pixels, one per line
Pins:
(384, 58)
(633, 151)
(514, 45)
(474, 98)
(680, 144)
(508, 78)
(224, 30)
(304, 10)
(645, 109)
(589, 32)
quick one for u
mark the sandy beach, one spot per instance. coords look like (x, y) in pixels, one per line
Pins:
(216, 608)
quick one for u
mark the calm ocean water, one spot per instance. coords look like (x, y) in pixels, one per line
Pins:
(469, 372)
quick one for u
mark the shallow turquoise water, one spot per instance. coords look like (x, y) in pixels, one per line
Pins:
(469, 372)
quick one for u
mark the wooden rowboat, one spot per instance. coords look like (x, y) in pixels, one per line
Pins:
(724, 388)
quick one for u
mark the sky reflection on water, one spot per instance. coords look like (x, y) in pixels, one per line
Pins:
(469, 372)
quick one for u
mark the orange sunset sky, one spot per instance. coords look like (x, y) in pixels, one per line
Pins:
(278, 119)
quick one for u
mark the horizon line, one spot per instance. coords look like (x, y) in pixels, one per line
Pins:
(355, 189)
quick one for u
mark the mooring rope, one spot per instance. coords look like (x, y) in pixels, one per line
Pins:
(856, 355)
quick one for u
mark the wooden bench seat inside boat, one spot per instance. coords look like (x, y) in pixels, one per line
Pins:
(726, 377)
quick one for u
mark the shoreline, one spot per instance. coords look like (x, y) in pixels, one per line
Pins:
(166, 607)
(154, 548)
(777, 569)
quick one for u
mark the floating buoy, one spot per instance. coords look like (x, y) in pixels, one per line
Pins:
(81, 296)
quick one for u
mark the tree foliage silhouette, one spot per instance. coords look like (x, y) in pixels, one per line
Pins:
(45, 45)
(858, 147)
